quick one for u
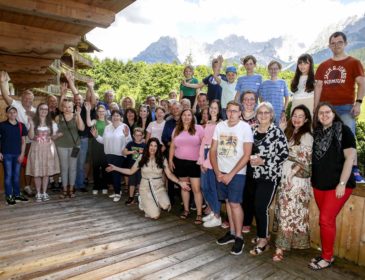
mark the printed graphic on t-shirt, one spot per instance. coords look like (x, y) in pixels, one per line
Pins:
(136, 155)
(335, 75)
(227, 145)
(212, 81)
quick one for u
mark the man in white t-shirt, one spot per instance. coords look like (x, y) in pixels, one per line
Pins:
(230, 151)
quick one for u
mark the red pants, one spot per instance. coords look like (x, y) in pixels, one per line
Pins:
(329, 207)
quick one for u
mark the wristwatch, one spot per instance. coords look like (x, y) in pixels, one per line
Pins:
(342, 183)
(359, 101)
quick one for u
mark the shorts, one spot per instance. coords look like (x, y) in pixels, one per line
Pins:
(233, 192)
(135, 179)
(186, 168)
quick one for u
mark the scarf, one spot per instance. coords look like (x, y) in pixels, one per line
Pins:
(323, 139)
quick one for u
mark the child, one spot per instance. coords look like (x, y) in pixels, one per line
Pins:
(187, 92)
(214, 89)
(228, 87)
(133, 150)
(274, 91)
(302, 84)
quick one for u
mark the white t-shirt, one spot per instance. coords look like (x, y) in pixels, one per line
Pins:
(228, 92)
(22, 115)
(230, 144)
(156, 129)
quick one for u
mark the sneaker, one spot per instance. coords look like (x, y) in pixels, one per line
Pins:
(237, 247)
(95, 192)
(38, 197)
(45, 197)
(227, 238)
(208, 217)
(21, 198)
(357, 175)
(116, 198)
(214, 222)
(105, 191)
(225, 224)
(28, 190)
(10, 200)
(246, 229)
(129, 201)
(112, 195)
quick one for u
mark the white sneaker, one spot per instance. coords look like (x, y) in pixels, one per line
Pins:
(112, 195)
(116, 197)
(38, 197)
(208, 217)
(95, 192)
(45, 197)
(105, 191)
(214, 222)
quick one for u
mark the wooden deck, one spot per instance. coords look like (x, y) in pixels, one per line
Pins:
(90, 237)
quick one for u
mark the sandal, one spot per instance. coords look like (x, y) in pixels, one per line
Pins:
(259, 250)
(198, 220)
(72, 193)
(256, 239)
(184, 215)
(319, 258)
(278, 257)
(316, 264)
(64, 194)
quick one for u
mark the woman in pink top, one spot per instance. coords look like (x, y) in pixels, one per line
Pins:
(208, 178)
(183, 156)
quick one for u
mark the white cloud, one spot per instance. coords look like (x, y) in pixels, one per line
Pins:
(145, 21)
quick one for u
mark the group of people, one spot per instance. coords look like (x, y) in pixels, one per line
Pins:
(232, 145)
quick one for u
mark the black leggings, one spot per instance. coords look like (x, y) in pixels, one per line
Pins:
(248, 204)
(264, 195)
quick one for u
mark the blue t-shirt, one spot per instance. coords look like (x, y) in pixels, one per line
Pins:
(214, 90)
(274, 92)
(249, 82)
(10, 139)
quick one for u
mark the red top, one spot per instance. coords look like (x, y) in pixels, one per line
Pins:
(339, 80)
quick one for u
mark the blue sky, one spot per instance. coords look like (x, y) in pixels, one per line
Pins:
(145, 21)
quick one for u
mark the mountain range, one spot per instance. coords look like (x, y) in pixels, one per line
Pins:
(285, 49)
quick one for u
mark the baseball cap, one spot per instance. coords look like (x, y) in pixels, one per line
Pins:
(231, 69)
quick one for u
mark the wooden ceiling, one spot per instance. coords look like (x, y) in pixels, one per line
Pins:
(33, 33)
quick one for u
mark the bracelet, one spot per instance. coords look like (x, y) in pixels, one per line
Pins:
(358, 101)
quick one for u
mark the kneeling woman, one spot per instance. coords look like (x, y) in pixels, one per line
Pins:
(152, 190)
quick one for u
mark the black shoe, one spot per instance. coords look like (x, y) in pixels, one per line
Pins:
(10, 200)
(227, 238)
(83, 189)
(21, 198)
(130, 201)
(237, 246)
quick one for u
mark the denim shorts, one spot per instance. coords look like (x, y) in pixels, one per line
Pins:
(344, 111)
(233, 192)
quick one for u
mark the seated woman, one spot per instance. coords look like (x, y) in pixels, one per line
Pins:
(153, 195)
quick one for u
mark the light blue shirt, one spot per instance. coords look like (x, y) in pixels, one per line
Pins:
(274, 92)
(251, 82)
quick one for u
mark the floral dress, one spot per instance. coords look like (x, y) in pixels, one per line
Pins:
(293, 197)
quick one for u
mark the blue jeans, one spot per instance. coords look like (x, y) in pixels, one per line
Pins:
(209, 189)
(11, 174)
(80, 176)
(344, 111)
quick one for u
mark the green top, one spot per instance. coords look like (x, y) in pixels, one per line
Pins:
(189, 91)
(100, 126)
(66, 141)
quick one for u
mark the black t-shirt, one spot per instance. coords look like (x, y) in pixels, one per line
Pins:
(326, 172)
(133, 146)
(86, 132)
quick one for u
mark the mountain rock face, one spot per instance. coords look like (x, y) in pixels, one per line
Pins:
(284, 49)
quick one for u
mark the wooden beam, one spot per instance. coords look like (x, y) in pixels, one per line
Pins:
(12, 63)
(34, 42)
(65, 10)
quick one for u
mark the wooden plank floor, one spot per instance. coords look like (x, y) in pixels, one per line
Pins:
(90, 237)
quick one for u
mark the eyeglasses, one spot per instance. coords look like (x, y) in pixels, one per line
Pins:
(233, 111)
(337, 44)
(264, 113)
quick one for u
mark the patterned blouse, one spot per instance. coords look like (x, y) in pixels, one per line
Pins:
(273, 149)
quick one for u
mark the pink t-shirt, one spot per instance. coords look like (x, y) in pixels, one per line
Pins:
(206, 142)
(187, 146)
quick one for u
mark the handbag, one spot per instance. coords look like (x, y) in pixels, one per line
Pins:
(75, 150)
